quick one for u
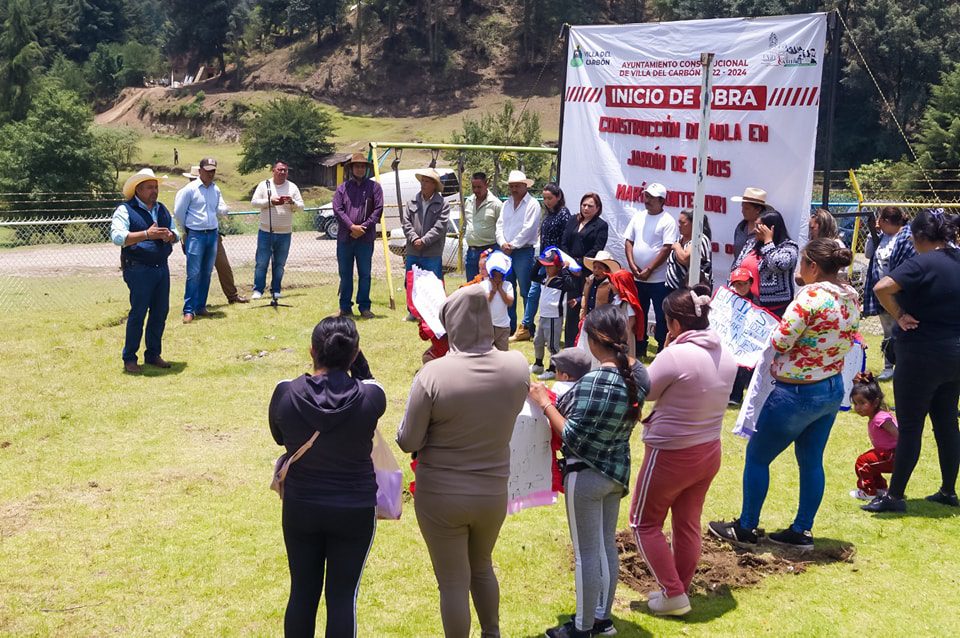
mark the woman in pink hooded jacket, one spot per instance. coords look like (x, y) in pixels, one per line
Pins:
(690, 381)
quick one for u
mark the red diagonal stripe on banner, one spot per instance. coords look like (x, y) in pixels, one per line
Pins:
(813, 96)
(580, 94)
(569, 93)
(785, 98)
(796, 96)
(773, 97)
(597, 92)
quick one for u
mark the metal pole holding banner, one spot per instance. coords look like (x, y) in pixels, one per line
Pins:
(833, 28)
(706, 93)
(383, 227)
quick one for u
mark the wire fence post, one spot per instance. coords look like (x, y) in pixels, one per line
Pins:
(384, 238)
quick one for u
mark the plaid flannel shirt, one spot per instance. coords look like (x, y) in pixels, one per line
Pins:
(902, 251)
(597, 430)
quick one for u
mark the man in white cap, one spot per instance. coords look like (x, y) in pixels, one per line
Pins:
(358, 205)
(753, 203)
(517, 230)
(647, 243)
(197, 208)
(424, 222)
(144, 229)
(277, 198)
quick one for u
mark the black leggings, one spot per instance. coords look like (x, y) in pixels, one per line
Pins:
(332, 539)
(926, 381)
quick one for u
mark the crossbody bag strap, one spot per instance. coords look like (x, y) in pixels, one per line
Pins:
(282, 474)
(269, 206)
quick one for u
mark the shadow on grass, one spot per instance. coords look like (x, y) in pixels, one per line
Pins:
(625, 628)
(176, 367)
(922, 508)
(705, 607)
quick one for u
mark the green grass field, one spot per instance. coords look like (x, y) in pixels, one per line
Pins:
(139, 506)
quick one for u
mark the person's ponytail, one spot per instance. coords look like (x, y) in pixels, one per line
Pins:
(828, 255)
(607, 326)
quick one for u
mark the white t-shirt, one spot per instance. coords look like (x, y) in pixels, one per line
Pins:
(649, 233)
(550, 302)
(498, 308)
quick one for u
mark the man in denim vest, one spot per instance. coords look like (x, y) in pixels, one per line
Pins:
(144, 230)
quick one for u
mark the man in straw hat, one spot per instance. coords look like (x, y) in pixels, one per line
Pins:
(278, 199)
(144, 230)
(197, 208)
(222, 263)
(517, 230)
(424, 222)
(358, 205)
(753, 203)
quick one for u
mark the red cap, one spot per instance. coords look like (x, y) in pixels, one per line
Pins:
(550, 258)
(740, 274)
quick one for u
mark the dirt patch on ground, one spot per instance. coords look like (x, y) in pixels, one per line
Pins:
(723, 567)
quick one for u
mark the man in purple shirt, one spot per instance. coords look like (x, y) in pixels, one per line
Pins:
(358, 205)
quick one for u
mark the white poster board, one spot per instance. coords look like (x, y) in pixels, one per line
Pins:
(531, 462)
(427, 297)
(744, 328)
(631, 117)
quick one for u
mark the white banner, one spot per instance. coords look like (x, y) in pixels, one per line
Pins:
(631, 117)
(744, 328)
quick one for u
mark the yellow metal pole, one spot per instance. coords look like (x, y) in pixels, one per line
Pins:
(856, 223)
(383, 229)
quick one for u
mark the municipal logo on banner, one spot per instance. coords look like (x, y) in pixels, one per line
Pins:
(632, 117)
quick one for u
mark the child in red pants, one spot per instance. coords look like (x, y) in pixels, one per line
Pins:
(867, 399)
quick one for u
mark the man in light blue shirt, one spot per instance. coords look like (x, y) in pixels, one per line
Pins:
(144, 230)
(197, 207)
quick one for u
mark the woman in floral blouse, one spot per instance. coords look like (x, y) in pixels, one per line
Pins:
(817, 330)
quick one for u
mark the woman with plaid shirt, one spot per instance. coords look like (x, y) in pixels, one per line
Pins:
(594, 420)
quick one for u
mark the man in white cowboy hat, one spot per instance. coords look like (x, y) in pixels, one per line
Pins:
(424, 222)
(277, 198)
(753, 203)
(144, 229)
(358, 205)
(222, 264)
(517, 231)
(197, 208)
(647, 242)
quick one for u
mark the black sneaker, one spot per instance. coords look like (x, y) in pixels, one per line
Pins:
(795, 540)
(600, 627)
(734, 534)
(567, 630)
(885, 503)
(944, 499)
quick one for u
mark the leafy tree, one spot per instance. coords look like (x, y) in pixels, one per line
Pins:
(19, 56)
(296, 130)
(95, 22)
(939, 140)
(200, 29)
(502, 129)
(70, 76)
(53, 150)
(103, 71)
(320, 13)
(120, 147)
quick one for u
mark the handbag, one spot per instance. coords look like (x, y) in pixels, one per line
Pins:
(389, 479)
(282, 466)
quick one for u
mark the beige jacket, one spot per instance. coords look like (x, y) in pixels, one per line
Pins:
(277, 218)
(463, 406)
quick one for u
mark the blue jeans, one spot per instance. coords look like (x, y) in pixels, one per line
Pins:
(201, 250)
(520, 276)
(532, 304)
(798, 414)
(648, 293)
(349, 252)
(471, 260)
(433, 264)
(149, 291)
(277, 246)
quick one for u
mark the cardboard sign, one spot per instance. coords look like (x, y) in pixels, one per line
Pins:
(531, 460)
(744, 327)
(427, 297)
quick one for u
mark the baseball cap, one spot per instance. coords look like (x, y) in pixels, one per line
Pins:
(573, 361)
(550, 258)
(740, 274)
(208, 164)
(656, 190)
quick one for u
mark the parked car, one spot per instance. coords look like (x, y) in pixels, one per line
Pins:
(326, 222)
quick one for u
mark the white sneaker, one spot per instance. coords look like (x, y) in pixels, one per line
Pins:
(535, 369)
(276, 295)
(670, 606)
(256, 294)
(860, 495)
(548, 375)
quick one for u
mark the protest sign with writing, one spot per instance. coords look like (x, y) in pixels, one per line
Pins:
(427, 297)
(744, 327)
(531, 460)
